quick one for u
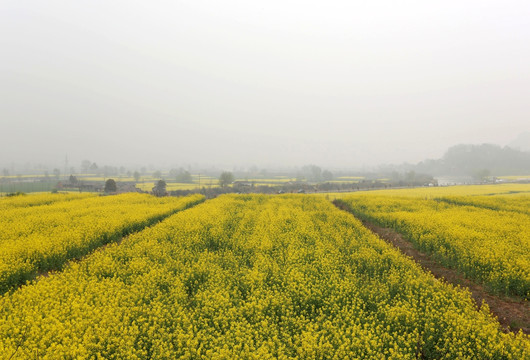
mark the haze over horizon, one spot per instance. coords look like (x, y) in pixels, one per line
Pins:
(285, 83)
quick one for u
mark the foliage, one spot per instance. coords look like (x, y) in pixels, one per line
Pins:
(110, 186)
(160, 188)
(18, 193)
(466, 159)
(184, 177)
(327, 175)
(226, 178)
(481, 174)
(181, 176)
(85, 166)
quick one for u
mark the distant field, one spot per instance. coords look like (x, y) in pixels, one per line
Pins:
(102, 179)
(346, 178)
(271, 181)
(148, 186)
(344, 181)
(515, 177)
(27, 187)
(438, 191)
(214, 182)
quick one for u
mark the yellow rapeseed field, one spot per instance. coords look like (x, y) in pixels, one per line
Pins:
(486, 238)
(250, 277)
(39, 199)
(505, 202)
(440, 191)
(42, 238)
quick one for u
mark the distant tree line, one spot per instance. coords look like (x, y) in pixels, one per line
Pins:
(478, 161)
(314, 174)
(180, 175)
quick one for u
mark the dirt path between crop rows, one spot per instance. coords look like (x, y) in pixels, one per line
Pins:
(513, 314)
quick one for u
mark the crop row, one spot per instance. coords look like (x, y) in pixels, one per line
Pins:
(7, 203)
(491, 246)
(511, 202)
(41, 238)
(250, 277)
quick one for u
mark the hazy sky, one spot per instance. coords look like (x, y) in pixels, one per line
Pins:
(333, 83)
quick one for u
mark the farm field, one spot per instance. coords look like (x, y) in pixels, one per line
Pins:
(487, 238)
(440, 191)
(502, 202)
(54, 228)
(27, 186)
(94, 182)
(39, 199)
(515, 177)
(148, 186)
(251, 277)
(210, 182)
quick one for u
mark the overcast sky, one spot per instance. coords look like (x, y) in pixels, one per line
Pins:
(333, 83)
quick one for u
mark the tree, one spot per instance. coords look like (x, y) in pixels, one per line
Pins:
(72, 180)
(110, 186)
(312, 173)
(184, 176)
(327, 175)
(174, 172)
(5, 172)
(136, 176)
(181, 175)
(160, 188)
(157, 174)
(481, 174)
(410, 177)
(56, 172)
(110, 171)
(85, 165)
(226, 178)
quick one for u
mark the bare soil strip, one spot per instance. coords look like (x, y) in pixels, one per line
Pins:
(512, 313)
